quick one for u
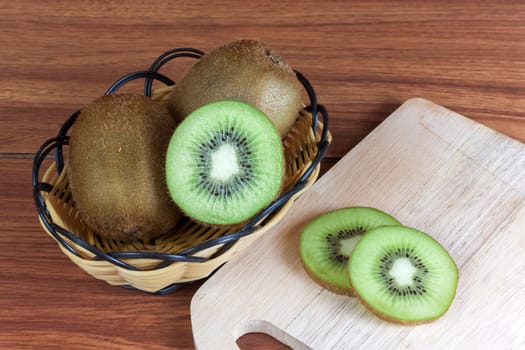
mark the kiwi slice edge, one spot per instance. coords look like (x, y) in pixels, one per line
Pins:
(403, 275)
(327, 241)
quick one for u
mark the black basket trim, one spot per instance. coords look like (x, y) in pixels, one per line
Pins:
(225, 242)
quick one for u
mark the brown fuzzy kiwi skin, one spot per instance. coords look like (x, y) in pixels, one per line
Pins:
(243, 70)
(116, 167)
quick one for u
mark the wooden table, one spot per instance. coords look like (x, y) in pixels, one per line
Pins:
(364, 59)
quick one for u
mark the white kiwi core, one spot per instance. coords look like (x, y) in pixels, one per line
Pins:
(224, 162)
(348, 244)
(403, 272)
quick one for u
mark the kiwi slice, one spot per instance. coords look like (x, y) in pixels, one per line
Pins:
(403, 275)
(327, 242)
(224, 163)
(242, 70)
(116, 167)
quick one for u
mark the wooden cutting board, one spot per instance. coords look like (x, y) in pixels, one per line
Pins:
(432, 169)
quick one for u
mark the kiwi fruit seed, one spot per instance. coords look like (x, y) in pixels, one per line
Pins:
(243, 70)
(116, 167)
(224, 163)
(403, 275)
(327, 241)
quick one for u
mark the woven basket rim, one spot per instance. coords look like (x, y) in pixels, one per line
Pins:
(71, 244)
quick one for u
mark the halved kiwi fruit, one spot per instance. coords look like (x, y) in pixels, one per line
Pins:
(242, 70)
(403, 275)
(224, 163)
(327, 242)
(116, 167)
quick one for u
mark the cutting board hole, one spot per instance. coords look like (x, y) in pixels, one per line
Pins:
(260, 334)
(260, 341)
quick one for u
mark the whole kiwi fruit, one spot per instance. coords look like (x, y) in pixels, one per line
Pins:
(116, 167)
(243, 70)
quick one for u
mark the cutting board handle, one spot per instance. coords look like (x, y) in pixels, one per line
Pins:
(226, 339)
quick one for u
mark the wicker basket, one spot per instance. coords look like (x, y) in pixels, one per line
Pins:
(194, 251)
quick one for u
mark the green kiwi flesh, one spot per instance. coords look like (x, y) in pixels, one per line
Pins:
(116, 167)
(243, 70)
(327, 241)
(403, 275)
(224, 163)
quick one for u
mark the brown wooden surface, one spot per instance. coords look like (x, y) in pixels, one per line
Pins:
(364, 59)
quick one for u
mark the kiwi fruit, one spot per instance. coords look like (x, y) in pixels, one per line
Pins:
(224, 163)
(327, 241)
(116, 167)
(243, 70)
(403, 275)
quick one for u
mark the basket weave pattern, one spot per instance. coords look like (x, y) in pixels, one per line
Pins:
(193, 251)
(300, 148)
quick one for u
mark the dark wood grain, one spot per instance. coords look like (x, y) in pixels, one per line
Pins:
(364, 59)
